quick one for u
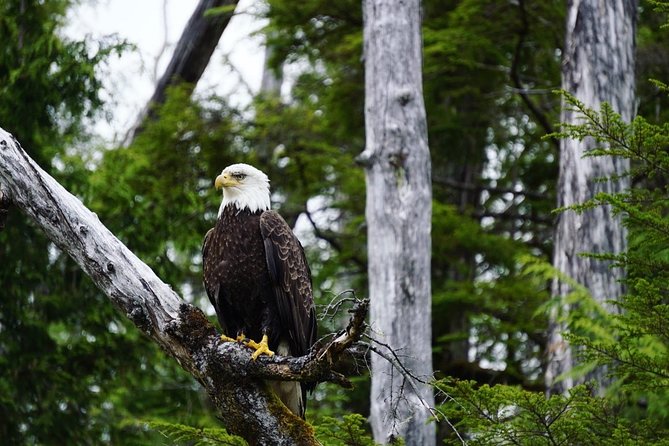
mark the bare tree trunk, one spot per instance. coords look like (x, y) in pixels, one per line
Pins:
(399, 208)
(235, 384)
(191, 56)
(598, 66)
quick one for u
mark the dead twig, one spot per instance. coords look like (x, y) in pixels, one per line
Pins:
(5, 204)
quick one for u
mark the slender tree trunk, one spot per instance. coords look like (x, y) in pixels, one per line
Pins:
(598, 66)
(270, 88)
(271, 80)
(399, 194)
(191, 56)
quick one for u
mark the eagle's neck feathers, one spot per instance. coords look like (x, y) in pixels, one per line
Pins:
(254, 198)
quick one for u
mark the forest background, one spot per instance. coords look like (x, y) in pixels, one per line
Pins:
(74, 371)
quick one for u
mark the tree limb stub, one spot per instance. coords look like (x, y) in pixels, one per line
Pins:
(234, 382)
(4, 209)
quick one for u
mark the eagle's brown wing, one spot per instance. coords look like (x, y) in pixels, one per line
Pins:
(211, 285)
(291, 280)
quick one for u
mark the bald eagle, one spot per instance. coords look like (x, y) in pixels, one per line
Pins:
(257, 277)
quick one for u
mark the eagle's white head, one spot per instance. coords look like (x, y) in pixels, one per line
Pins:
(243, 186)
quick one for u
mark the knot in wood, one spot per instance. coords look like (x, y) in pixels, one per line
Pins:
(138, 316)
(404, 96)
(110, 268)
(397, 159)
(50, 215)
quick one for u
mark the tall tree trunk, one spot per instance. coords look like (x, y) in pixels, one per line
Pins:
(598, 66)
(191, 56)
(399, 193)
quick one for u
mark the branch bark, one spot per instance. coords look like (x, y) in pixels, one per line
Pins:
(234, 382)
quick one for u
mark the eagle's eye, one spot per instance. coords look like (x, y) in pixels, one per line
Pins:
(239, 176)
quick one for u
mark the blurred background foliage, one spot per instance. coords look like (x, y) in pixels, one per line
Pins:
(74, 371)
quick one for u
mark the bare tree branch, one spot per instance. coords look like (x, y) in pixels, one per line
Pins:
(163, 45)
(515, 75)
(191, 56)
(235, 383)
(331, 238)
(449, 182)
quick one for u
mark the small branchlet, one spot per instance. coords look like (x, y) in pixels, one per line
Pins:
(5, 203)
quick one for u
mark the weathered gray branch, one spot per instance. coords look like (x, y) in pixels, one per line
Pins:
(234, 382)
(191, 56)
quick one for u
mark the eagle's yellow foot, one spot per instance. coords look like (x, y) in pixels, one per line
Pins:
(260, 348)
(239, 338)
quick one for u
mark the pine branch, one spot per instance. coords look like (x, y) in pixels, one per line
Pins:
(192, 436)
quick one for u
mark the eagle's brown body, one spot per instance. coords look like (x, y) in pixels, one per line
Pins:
(238, 284)
(258, 280)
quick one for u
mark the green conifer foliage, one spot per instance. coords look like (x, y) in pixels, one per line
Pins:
(53, 374)
(632, 344)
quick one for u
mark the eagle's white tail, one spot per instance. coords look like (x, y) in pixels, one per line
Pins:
(289, 392)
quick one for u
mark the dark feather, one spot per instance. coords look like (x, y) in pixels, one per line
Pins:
(291, 280)
(208, 286)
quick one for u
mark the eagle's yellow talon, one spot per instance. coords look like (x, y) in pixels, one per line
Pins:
(260, 348)
(239, 338)
(225, 338)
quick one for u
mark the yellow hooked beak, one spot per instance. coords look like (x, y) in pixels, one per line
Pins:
(225, 180)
